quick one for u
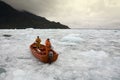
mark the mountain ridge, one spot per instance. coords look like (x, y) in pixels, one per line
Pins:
(11, 18)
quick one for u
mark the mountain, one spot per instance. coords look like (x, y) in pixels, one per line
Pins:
(11, 18)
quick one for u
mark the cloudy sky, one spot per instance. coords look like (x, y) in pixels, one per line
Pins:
(74, 13)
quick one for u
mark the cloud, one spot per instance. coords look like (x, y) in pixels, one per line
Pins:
(34, 6)
(74, 13)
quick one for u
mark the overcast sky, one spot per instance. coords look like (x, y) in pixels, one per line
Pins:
(74, 13)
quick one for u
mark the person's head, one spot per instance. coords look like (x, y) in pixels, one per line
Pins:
(48, 39)
(37, 36)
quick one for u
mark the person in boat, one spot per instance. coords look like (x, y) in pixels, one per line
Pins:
(48, 50)
(38, 41)
(48, 43)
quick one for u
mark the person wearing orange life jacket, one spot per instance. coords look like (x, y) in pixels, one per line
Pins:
(38, 41)
(48, 50)
(48, 43)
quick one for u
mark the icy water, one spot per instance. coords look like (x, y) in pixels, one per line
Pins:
(83, 55)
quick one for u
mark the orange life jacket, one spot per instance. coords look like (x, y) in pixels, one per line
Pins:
(48, 44)
(38, 40)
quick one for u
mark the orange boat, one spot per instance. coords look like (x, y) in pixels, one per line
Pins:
(43, 55)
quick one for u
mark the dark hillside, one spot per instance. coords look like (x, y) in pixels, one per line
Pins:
(11, 18)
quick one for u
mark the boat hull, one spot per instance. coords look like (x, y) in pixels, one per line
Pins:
(42, 55)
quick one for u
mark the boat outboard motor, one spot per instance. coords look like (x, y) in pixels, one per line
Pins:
(50, 56)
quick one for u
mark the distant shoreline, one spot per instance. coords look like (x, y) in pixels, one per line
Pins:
(97, 28)
(65, 29)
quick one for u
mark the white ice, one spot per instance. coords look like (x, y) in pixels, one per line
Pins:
(83, 55)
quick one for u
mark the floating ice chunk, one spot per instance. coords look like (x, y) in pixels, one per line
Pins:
(101, 40)
(95, 54)
(74, 38)
(29, 28)
(19, 75)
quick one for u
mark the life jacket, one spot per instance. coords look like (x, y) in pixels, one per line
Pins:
(38, 40)
(48, 44)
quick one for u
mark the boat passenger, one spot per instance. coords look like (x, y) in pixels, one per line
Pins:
(38, 41)
(48, 43)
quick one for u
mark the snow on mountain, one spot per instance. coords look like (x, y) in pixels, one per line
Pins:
(83, 55)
